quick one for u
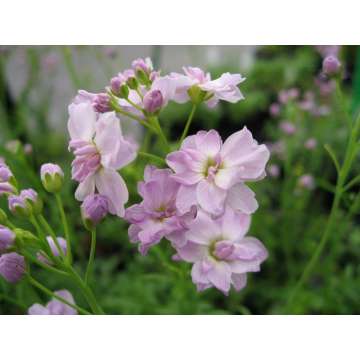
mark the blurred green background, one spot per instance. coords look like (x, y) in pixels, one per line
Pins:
(37, 84)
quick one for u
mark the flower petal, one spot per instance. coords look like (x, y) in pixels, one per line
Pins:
(85, 188)
(110, 184)
(210, 197)
(241, 197)
(81, 123)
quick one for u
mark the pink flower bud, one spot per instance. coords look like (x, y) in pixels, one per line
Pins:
(12, 267)
(153, 101)
(331, 65)
(274, 109)
(7, 238)
(94, 209)
(5, 173)
(32, 198)
(52, 177)
(273, 171)
(54, 249)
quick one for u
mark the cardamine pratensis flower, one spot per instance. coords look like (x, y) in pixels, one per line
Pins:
(100, 151)
(212, 173)
(156, 216)
(307, 181)
(7, 238)
(52, 177)
(55, 306)
(12, 267)
(221, 253)
(94, 209)
(224, 88)
(287, 127)
(54, 249)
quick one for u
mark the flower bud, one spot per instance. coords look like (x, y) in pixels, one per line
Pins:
(273, 171)
(18, 206)
(288, 128)
(101, 103)
(32, 198)
(6, 188)
(142, 64)
(310, 144)
(307, 181)
(331, 65)
(7, 238)
(153, 101)
(52, 177)
(94, 209)
(5, 173)
(12, 267)
(118, 85)
(143, 77)
(54, 249)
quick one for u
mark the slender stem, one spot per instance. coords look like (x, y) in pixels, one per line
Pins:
(339, 191)
(154, 120)
(137, 107)
(52, 294)
(151, 156)
(90, 298)
(188, 123)
(51, 232)
(65, 226)
(352, 182)
(91, 256)
(139, 93)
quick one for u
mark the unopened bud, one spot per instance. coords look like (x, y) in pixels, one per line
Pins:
(94, 209)
(7, 238)
(331, 65)
(153, 101)
(12, 267)
(52, 177)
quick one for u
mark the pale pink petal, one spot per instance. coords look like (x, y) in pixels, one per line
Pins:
(210, 197)
(209, 144)
(203, 230)
(110, 184)
(225, 178)
(235, 224)
(220, 276)
(81, 123)
(239, 281)
(38, 309)
(186, 198)
(85, 188)
(192, 252)
(241, 197)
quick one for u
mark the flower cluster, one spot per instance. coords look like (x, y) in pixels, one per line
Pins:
(205, 181)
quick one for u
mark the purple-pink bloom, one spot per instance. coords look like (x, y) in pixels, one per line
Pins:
(156, 216)
(5, 177)
(27, 202)
(7, 238)
(310, 144)
(224, 88)
(12, 267)
(274, 109)
(287, 95)
(288, 128)
(331, 65)
(273, 170)
(94, 208)
(55, 306)
(220, 251)
(54, 249)
(209, 169)
(307, 181)
(100, 150)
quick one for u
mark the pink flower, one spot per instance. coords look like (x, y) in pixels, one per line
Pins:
(307, 181)
(274, 109)
(156, 216)
(211, 173)
(100, 150)
(55, 306)
(273, 170)
(54, 249)
(142, 64)
(6, 177)
(220, 251)
(310, 144)
(287, 95)
(288, 127)
(224, 88)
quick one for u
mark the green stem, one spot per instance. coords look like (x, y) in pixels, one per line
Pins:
(155, 121)
(65, 226)
(151, 156)
(89, 296)
(91, 256)
(52, 294)
(188, 123)
(339, 191)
